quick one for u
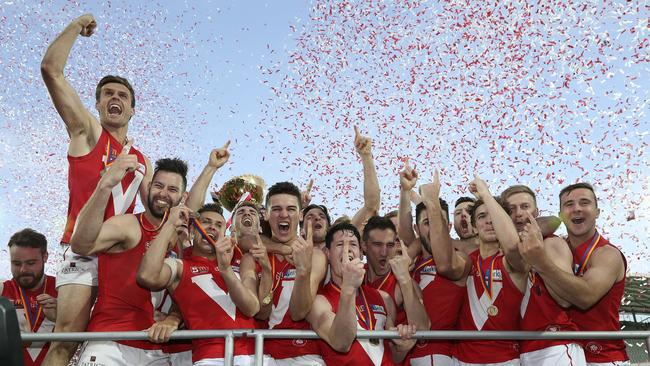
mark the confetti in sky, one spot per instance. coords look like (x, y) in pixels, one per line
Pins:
(544, 94)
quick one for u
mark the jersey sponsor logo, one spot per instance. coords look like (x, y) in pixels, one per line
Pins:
(290, 274)
(496, 274)
(429, 270)
(377, 309)
(594, 347)
(199, 269)
(299, 342)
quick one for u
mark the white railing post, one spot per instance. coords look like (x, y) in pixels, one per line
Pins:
(229, 350)
(259, 349)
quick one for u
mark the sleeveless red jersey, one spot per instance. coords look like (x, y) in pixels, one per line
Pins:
(284, 275)
(474, 315)
(604, 315)
(30, 316)
(388, 284)
(442, 300)
(122, 305)
(540, 312)
(362, 351)
(84, 173)
(202, 296)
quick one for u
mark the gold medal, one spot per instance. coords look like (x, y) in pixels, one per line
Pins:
(267, 299)
(492, 310)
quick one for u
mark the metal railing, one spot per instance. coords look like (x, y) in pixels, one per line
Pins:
(261, 334)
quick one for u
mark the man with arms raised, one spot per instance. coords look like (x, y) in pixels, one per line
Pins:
(295, 281)
(346, 305)
(598, 283)
(542, 309)
(93, 147)
(31, 291)
(120, 243)
(495, 277)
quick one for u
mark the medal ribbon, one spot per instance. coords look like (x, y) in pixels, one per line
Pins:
(155, 229)
(33, 320)
(366, 315)
(201, 230)
(587, 254)
(277, 279)
(486, 278)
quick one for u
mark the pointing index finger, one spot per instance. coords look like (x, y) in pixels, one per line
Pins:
(346, 250)
(225, 146)
(310, 184)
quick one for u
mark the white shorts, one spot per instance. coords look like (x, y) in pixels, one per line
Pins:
(432, 360)
(613, 363)
(514, 362)
(109, 353)
(306, 360)
(77, 269)
(564, 354)
(236, 361)
(180, 358)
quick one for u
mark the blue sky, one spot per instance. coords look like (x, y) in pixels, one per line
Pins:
(516, 92)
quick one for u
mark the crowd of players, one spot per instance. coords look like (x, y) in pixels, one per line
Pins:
(286, 265)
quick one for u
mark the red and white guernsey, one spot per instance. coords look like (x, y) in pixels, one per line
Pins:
(31, 318)
(442, 301)
(604, 315)
(84, 173)
(492, 303)
(371, 315)
(122, 305)
(388, 284)
(540, 312)
(284, 275)
(202, 296)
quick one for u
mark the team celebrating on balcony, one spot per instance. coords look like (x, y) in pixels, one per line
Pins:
(285, 265)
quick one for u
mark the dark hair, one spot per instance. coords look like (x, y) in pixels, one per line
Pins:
(377, 222)
(284, 188)
(343, 226)
(245, 204)
(479, 202)
(392, 214)
(518, 188)
(210, 207)
(320, 207)
(114, 79)
(421, 207)
(29, 238)
(463, 200)
(172, 165)
(572, 187)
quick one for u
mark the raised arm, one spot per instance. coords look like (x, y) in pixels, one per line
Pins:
(155, 272)
(339, 329)
(450, 263)
(80, 124)
(504, 229)
(218, 157)
(91, 233)
(605, 268)
(415, 311)
(371, 190)
(408, 178)
(244, 298)
(310, 271)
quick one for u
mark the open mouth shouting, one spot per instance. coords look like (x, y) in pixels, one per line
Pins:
(247, 221)
(284, 227)
(114, 110)
(577, 220)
